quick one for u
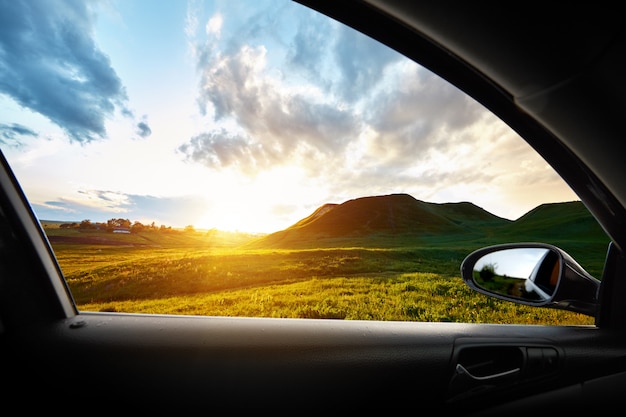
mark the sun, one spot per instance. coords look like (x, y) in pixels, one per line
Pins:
(271, 201)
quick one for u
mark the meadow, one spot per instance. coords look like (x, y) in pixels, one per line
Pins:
(218, 274)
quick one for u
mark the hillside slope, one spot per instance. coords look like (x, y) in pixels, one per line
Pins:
(396, 216)
(557, 221)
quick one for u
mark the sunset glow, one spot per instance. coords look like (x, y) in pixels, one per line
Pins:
(239, 116)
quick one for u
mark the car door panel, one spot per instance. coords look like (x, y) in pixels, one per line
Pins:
(248, 363)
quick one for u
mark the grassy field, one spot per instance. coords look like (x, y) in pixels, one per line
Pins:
(214, 274)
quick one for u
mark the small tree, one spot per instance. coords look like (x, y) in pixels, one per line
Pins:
(488, 271)
(86, 224)
(137, 227)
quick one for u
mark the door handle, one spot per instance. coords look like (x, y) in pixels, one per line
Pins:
(461, 370)
(483, 366)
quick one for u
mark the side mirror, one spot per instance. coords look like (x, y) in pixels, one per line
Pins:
(533, 274)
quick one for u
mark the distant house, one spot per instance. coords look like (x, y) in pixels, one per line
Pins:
(121, 230)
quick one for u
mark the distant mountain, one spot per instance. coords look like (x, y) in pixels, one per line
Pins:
(557, 221)
(399, 215)
(400, 220)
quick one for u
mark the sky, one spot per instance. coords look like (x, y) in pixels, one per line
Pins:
(237, 115)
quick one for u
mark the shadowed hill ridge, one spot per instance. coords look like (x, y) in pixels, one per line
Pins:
(396, 213)
(555, 220)
(317, 213)
(387, 215)
(466, 213)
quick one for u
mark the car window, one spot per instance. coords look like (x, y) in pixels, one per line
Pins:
(261, 159)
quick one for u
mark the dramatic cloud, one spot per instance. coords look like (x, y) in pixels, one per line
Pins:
(58, 210)
(361, 63)
(100, 205)
(112, 201)
(219, 149)
(257, 113)
(50, 64)
(143, 129)
(307, 113)
(278, 122)
(10, 134)
(357, 103)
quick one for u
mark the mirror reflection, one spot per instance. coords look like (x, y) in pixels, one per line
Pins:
(529, 274)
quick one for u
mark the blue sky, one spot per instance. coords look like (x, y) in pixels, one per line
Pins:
(238, 115)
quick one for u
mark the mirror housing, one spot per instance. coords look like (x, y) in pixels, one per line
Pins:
(534, 274)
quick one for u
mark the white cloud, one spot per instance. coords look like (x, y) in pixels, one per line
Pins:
(214, 26)
(287, 111)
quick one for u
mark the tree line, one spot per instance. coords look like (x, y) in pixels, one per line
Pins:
(120, 224)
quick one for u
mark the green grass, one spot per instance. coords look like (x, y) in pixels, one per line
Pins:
(406, 297)
(199, 274)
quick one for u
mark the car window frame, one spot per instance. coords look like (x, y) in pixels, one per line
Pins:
(522, 124)
(160, 363)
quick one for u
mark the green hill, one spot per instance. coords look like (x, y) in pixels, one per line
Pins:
(383, 220)
(558, 221)
(401, 220)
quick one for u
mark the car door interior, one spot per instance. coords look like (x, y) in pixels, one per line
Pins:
(59, 358)
(151, 362)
